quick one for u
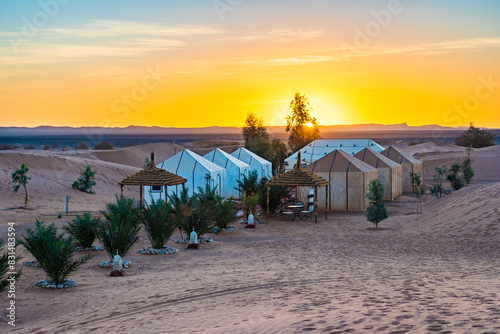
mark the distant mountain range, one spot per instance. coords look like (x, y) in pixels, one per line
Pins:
(212, 130)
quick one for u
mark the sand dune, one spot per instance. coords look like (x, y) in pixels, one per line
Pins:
(135, 155)
(435, 272)
(51, 179)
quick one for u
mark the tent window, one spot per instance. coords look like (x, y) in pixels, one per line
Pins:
(156, 189)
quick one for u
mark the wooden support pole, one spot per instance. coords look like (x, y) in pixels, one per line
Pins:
(316, 204)
(268, 203)
(121, 191)
(166, 196)
(326, 203)
(140, 196)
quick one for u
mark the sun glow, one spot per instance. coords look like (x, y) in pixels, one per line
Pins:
(309, 125)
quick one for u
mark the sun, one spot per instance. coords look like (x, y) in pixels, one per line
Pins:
(309, 125)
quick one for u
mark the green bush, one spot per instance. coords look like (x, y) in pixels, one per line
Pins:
(82, 229)
(86, 181)
(104, 145)
(225, 213)
(468, 172)
(53, 251)
(376, 210)
(159, 222)
(454, 177)
(20, 179)
(118, 231)
(475, 137)
(81, 146)
(437, 189)
(250, 184)
(5, 267)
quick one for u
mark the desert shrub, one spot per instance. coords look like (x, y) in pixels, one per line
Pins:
(81, 146)
(159, 222)
(53, 251)
(475, 137)
(467, 170)
(30, 147)
(376, 210)
(209, 199)
(416, 181)
(4, 147)
(417, 142)
(82, 229)
(55, 145)
(46, 147)
(249, 183)
(6, 271)
(437, 188)
(86, 181)
(197, 218)
(454, 177)
(104, 145)
(250, 201)
(118, 231)
(20, 179)
(225, 213)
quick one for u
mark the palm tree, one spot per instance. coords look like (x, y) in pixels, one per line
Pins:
(20, 179)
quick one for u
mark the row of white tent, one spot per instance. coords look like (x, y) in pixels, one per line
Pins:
(219, 168)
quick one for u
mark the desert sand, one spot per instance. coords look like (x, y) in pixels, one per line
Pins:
(434, 272)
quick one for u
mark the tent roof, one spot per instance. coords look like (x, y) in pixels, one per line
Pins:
(399, 156)
(187, 155)
(321, 147)
(339, 161)
(217, 153)
(375, 159)
(298, 177)
(153, 176)
(248, 156)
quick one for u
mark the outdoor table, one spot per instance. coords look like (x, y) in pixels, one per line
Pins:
(296, 209)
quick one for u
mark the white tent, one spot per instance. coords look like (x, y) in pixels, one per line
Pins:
(196, 169)
(263, 167)
(409, 165)
(235, 169)
(322, 147)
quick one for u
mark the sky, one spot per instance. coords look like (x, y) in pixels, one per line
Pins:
(203, 63)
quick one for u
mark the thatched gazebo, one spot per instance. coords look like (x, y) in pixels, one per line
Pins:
(151, 176)
(298, 177)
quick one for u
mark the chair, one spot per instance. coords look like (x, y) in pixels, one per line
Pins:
(307, 214)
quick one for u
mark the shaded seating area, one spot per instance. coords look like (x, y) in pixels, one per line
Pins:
(151, 176)
(298, 177)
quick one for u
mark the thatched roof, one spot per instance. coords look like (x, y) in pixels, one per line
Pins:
(153, 176)
(298, 177)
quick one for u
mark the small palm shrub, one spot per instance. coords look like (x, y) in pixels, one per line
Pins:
(225, 214)
(86, 181)
(159, 222)
(179, 203)
(209, 199)
(53, 251)
(416, 181)
(196, 217)
(82, 229)
(467, 171)
(104, 145)
(118, 231)
(250, 201)
(6, 264)
(249, 184)
(123, 208)
(376, 210)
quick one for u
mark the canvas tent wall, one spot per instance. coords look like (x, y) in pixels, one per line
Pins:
(408, 164)
(196, 170)
(235, 170)
(263, 167)
(389, 172)
(348, 178)
(321, 147)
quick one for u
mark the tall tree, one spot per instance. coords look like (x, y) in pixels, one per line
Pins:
(20, 179)
(301, 125)
(475, 137)
(376, 210)
(254, 128)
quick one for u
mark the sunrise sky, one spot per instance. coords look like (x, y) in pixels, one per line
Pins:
(203, 62)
